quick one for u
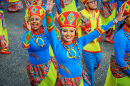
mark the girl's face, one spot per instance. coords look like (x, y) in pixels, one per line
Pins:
(35, 23)
(68, 35)
(127, 20)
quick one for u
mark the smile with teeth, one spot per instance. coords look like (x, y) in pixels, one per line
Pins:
(35, 25)
(68, 37)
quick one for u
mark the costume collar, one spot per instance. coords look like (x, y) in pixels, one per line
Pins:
(125, 27)
(41, 30)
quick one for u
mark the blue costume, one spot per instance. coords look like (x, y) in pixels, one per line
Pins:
(40, 68)
(69, 56)
(119, 70)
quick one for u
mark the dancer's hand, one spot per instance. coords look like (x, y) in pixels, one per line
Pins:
(120, 16)
(49, 6)
(28, 25)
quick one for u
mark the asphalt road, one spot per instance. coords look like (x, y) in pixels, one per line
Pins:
(13, 66)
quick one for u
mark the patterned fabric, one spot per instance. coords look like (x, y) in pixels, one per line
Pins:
(53, 59)
(3, 22)
(62, 81)
(69, 19)
(126, 6)
(85, 73)
(64, 68)
(2, 37)
(15, 6)
(110, 34)
(32, 54)
(106, 9)
(115, 68)
(25, 46)
(27, 37)
(27, 3)
(37, 73)
(64, 3)
(37, 11)
(86, 25)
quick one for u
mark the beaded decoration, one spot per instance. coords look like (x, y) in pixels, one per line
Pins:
(68, 48)
(127, 34)
(40, 38)
(125, 27)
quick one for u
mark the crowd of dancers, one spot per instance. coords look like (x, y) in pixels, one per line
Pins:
(69, 55)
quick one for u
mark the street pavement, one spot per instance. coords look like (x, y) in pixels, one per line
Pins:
(13, 66)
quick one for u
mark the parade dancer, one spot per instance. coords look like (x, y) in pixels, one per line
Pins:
(68, 50)
(119, 68)
(4, 42)
(90, 20)
(41, 71)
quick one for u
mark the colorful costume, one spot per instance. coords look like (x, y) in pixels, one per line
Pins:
(3, 30)
(119, 69)
(69, 56)
(108, 13)
(91, 51)
(14, 5)
(40, 68)
(26, 14)
(65, 5)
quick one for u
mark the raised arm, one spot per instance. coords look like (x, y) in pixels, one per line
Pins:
(100, 30)
(52, 36)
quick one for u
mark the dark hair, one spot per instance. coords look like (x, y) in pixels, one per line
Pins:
(121, 25)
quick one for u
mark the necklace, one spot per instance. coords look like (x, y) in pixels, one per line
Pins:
(125, 27)
(127, 34)
(40, 39)
(68, 52)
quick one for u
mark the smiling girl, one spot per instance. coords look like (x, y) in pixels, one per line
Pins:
(40, 69)
(68, 51)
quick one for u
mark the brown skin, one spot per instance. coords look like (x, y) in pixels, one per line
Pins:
(35, 24)
(68, 35)
(127, 21)
(91, 6)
